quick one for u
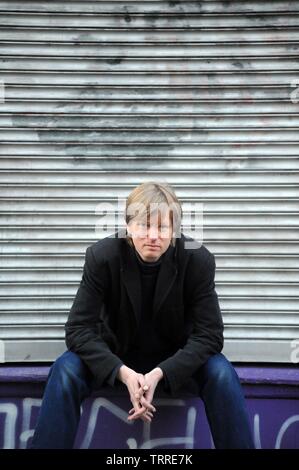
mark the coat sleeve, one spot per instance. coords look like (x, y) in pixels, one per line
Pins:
(82, 334)
(206, 337)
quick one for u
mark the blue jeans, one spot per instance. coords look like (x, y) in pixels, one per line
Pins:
(70, 381)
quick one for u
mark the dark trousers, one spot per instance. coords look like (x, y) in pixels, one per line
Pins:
(70, 381)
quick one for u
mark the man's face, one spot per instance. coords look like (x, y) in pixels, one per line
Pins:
(151, 235)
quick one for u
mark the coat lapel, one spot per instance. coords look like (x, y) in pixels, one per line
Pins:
(131, 278)
(166, 277)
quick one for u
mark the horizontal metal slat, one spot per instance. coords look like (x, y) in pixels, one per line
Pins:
(167, 137)
(187, 177)
(251, 264)
(258, 318)
(81, 151)
(227, 247)
(148, 21)
(127, 34)
(229, 302)
(229, 190)
(254, 333)
(35, 272)
(56, 319)
(125, 163)
(36, 332)
(68, 261)
(52, 332)
(146, 49)
(230, 207)
(87, 92)
(211, 234)
(188, 7)
(175, 106)
(163, 123)
(81, 220)
(231, 289)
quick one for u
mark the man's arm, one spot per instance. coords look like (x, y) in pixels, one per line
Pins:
(82, 335)
(113, 376)
(206, 338)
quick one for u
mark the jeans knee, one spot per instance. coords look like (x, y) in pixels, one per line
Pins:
(220, 372)
(68, 370)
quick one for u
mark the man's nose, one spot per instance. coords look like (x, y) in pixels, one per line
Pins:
(153, 233)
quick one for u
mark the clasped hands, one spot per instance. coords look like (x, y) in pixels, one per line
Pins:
(141, 389)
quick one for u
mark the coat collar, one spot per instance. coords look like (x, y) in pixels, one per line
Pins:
(131, 277)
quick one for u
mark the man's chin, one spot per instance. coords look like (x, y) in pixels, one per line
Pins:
(151, 258)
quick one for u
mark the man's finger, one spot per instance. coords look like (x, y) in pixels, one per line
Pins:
(136, 414)
(140, 392)
(138, 411)
(146, 419)
(147, 404)
(143, 416)
(135, 400)
(146, 416)
(142, 381)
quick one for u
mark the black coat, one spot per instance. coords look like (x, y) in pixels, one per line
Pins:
(103, 319)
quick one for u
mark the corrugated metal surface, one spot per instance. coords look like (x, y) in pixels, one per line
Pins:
(100, 96)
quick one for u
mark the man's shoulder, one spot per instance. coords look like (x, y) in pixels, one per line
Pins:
(108, 247)
(194, 248)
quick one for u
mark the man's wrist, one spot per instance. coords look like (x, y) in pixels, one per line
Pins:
(123, 373)
(158, 373)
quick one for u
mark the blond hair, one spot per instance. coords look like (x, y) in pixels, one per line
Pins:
(149, 197)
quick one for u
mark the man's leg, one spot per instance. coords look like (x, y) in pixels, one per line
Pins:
(224, 404)
(69, 382)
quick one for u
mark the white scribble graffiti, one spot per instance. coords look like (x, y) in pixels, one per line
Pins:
(17, 437)
(11, 412)
(284, 428)
(27, 433)
(96, 407)
(148, 443)
(257, 432)
(187, 440)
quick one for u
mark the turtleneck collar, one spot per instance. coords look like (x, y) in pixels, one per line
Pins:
(150, 264)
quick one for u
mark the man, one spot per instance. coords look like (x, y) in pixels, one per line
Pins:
(145, 318)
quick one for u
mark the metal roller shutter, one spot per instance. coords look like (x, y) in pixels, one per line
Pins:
(100, 96)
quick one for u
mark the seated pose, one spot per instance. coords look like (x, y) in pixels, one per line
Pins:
(146, 319)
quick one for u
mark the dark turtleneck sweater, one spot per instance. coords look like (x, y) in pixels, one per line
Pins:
(149, 348)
